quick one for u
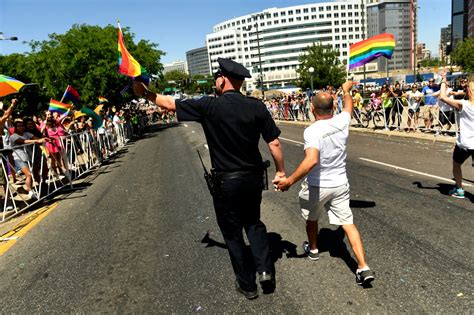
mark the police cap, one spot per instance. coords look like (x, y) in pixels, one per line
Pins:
(232, 69)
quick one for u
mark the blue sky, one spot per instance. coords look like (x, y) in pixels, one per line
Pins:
(175, 25)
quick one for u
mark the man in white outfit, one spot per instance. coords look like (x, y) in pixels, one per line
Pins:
(326, 184)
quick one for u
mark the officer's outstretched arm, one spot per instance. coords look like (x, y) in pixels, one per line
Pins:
(163, 101)
(277, 154)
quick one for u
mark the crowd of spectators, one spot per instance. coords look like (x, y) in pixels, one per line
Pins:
(36, 148)
(420, 101)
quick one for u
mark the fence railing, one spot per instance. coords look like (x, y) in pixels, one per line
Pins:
(398, 116)
(43, 172)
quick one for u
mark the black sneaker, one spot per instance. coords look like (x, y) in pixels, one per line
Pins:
(364, 277)
(267, 282)
(248, 294)
(312, 256)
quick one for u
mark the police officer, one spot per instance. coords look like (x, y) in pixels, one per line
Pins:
(233, 124)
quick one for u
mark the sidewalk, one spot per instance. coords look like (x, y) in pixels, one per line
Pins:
(389, 133)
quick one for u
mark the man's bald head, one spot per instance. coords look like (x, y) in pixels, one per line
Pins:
(323, 103)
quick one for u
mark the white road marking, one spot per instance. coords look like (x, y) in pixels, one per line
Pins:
(185, 125)
(413, 171)
(297, 142)
(206, 146)
(193, 131)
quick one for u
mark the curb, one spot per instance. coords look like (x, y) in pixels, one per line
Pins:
(393, 133)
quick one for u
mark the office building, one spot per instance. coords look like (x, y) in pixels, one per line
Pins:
(397, 17)
(276, 37)
(459, 21)
(445, 43)
(175, 65)
(198, 62)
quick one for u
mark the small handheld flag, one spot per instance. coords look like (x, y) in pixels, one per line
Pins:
(127, 64)
(367, 50)
(102, 99)
(58, 107)
(71, 94)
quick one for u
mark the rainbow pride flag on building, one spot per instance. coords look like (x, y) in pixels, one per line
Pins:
(367, 50)
(61, 108)
(127, 64)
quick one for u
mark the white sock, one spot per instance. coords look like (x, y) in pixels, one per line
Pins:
(314, 251)
(363, 269)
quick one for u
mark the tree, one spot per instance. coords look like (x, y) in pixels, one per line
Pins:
(462, 55)
(434, 62)
(328, 69)
(84, 57)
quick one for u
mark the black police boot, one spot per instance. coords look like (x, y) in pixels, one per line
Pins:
(248, 294)
(267, 282)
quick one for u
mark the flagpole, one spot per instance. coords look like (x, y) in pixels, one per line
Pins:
(64, 94)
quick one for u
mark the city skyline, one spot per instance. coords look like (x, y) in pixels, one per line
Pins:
(182, 28)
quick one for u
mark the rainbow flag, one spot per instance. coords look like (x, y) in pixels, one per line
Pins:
(61, 108)
(367, 50)
(127, 64)
(71, 94)
(102, 99)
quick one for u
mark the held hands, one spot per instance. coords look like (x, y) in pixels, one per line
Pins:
(281, 183)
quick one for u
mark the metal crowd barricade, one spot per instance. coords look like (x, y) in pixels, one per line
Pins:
(79, 153)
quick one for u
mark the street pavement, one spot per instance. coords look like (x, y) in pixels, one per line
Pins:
(139, 235)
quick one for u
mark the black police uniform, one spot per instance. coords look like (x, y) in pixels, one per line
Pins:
(233, 124)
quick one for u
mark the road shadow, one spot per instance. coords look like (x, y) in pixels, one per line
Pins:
(332, 241)
(361, 204)
(212, 243)
(279, 246)
(444, 190)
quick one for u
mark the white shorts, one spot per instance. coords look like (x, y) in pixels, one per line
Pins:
(335, 199)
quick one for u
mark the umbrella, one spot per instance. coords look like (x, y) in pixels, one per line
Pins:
(9, 85)
(96, 119)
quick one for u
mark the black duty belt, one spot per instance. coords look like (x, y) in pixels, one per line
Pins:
(237, 174)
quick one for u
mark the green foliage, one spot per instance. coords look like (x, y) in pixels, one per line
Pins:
(328, 70)
(434, 62)
(462, 55)
(85, 57)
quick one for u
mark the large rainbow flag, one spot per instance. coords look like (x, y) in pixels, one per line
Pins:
(61, 108)
(127, 64)
(367, 50)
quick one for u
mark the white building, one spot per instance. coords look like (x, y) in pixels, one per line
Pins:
(175, 65)
(283, 35)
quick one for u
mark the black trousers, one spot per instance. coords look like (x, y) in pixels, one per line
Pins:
(238, 208)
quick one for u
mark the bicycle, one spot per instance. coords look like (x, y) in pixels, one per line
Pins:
(373, 112)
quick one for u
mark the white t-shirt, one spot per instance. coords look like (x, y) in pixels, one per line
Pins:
(329, 137)
(466, 126)
(442, 105)
(413, 104)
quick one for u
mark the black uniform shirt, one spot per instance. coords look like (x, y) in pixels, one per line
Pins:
(232, 124)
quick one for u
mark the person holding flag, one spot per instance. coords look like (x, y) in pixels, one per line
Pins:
(326, 185)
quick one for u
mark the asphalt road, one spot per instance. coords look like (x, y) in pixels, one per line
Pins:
(134, 237)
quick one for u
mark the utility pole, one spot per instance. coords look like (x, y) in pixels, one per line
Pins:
(414, 8)
(363, 37)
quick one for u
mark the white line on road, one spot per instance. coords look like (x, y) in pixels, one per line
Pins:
(412, 171)
(297, 142)
(206, 146)
(185, 125)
